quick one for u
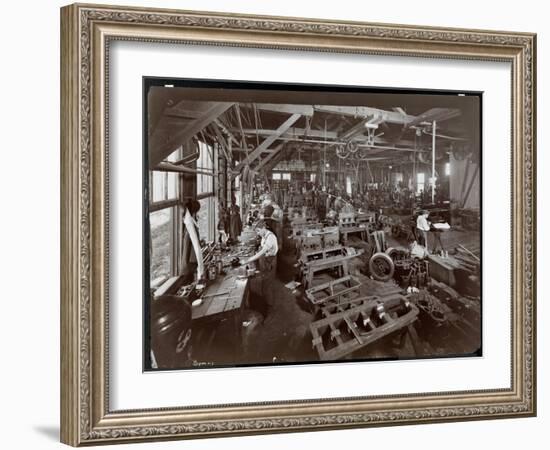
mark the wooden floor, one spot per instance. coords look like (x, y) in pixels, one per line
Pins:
(280, 333)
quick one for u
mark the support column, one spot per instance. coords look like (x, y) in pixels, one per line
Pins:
(434, 124)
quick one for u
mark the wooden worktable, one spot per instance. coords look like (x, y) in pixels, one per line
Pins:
(225, 295)
(218, 320)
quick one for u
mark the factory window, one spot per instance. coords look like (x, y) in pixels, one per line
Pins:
(419, 182)
(209, 210)
(348, 185)
(286, 176)
(162, 225)
(206, 217)
(164, 193)
(205, 164)
(447, 168)
(164, 185)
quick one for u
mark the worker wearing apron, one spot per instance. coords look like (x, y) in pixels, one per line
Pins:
(273, 215)
(267, 261)
(422, 228)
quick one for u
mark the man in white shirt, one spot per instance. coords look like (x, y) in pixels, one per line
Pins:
(422, 228)
(267, 259)
(273, 216)
(268, 246)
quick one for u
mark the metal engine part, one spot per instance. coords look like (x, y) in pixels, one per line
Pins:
(381, 267)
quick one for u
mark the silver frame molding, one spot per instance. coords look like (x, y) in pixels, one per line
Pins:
(86, 31)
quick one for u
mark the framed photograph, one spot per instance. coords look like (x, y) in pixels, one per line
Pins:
(276, 224)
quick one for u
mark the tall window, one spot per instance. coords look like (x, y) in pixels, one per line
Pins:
(420, 180)
(205, 192)
(161, 226)
(205, 163)
(164, 186)
(447, 168)
(164, 193)
(348, 185)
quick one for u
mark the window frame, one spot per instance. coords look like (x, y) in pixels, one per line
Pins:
(174, 204)
(212, 152)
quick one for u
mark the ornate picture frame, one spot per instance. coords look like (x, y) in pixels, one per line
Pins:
(86, 34)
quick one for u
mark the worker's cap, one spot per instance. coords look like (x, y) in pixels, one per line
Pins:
(260, 224)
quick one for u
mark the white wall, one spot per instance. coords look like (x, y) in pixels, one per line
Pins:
(29, 111)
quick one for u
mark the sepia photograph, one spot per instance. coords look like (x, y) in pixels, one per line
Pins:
(306, 224)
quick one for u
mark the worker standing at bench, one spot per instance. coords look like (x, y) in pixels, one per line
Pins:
(273, 216)
(267, 259)
(422, 228)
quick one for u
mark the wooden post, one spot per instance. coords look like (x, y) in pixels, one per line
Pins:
(433, 160)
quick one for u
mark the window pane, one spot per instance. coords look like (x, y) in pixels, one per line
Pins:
(172, 186)
(205, 183)
(164, 186)
(419, 182)
(206, 217)
(158, 186)
(161, 232)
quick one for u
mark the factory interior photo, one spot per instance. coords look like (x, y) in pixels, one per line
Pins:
(298, 224)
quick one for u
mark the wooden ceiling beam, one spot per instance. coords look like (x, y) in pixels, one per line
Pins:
(157, 154)
(365, 112)
(273, 161)
(292, 132)
(267, 142)
(304, 110)
(265, 160)
(354, 130)
(438, 114)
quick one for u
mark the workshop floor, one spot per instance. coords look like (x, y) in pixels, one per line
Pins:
(280, 334)
(284, 336)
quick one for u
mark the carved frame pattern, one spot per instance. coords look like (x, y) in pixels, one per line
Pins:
(86, 418)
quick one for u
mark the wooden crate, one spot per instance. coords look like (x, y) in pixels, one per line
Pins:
(339, 290)
(344, 332)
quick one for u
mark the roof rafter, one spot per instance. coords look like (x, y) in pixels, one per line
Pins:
(267, 142)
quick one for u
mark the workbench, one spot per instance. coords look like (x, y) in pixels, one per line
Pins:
(223, 299)
(443, 269)
(226, 294)
(361, 230)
